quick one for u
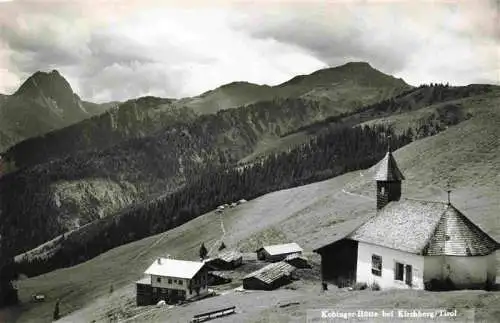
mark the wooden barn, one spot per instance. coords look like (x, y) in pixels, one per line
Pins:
(269, 277)
(218, 278)
(172, 280)
(226, 260)
(409, 243)
(278, 252)
(298, 261)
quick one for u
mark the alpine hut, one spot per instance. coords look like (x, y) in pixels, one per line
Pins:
(172, 280)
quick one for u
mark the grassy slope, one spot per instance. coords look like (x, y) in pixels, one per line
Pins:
(228, 96)
(311, 215)
(401, 121)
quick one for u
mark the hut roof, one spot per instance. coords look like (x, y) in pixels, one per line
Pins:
(425, 228)
(174, 268)
(144, 281)
(229, 256)
(388, 169)
(280, 249)
(295, 256)
(272, 272)
(220, 274)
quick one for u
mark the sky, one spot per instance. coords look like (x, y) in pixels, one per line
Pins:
(121, 49)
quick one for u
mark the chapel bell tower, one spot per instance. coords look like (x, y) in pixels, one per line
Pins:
(388, 180)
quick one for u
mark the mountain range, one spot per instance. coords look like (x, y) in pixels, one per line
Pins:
(149, 146)
(85, 172)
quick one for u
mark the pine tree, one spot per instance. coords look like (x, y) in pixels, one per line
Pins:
(203, 251)
(8, 273)
(56, 315)
(222, 246)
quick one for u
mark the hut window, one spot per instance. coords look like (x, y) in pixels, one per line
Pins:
(180, 282)
(170, 281)
(399, 271)
(377, 265)
(158, 279)
(447, 237)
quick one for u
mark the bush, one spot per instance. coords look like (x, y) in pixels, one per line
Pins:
(490, 286)
(345, 282)
(360, 286)
(439, 285)
(375, 286)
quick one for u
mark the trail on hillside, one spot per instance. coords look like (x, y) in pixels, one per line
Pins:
(353, 184)
(160, 238)
(358, 195)
(219, 241)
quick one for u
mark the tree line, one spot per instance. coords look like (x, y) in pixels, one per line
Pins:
(408, 100)
(341, 150)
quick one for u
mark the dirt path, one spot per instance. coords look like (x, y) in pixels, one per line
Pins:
(358, 195)
(143, 251)
(219, 241)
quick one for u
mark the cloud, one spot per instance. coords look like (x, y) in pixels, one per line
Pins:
(116, 50)
(419, 41)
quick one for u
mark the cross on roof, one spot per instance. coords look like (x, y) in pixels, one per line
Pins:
(388, 143)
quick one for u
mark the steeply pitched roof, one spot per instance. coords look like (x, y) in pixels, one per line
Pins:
(388, 169)
(174, 268)
(272, 272)
(425, 228)
(279, 249)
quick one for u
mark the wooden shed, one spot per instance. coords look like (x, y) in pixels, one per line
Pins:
(144, 292)
(278, 252)
(218, 278)
(226, 260)
(269, 277)
(298, 261)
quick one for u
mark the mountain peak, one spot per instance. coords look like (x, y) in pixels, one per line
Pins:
(359, 72)
(49, 84)
(356, 64)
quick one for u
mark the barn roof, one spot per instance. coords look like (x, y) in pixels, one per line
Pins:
(425, 228)
(388, 169)
(272, 272)
(280, 249)
(174, 268)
